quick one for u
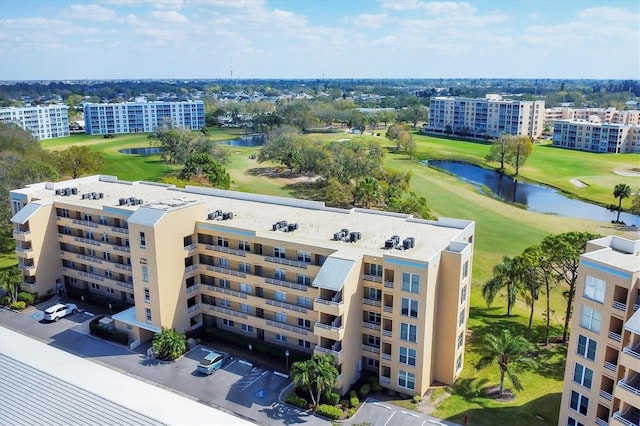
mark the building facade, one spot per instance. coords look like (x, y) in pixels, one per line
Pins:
(488, 117)
(602, 374)
(596, 136)
(379, 291)
(140, 117)
(44, 122)
(605, 115)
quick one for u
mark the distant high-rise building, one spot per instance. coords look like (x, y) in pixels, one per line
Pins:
(141, 117)
(44, 122)
(602, 373)
(488, 117)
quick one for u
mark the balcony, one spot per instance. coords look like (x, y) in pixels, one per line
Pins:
(610, 366)
(193, 288)
(619, 306)
(386, 357)
(373, 278)
(194, 307)
(286, 306)
(123, 266)
(329, 331)
(384, 379)
(88, 241)
(388, 284)
(606, 395)
(191, 268)
(84, 223)
(288, 327)
(227, 291)
(330, 307)
(223, 249)
(191, 249)
(388, 309)
(120, 230)
(287, 262)
(631, 417)
(287, 284)
(371, 325)
(29, 285)
(632, 385)
(226, 271)
(601, 422)
(229, 312)
(372, 349)
(387, 333)
(27, 270)
(336, 353)
(615, 336)
(632, 351)
(371, 302)
(125, 249)
(22, 235)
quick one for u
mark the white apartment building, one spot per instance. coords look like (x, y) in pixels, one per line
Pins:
(606, 115)
(141, 117)
(488, 117)
(44, 122)
(596, 136)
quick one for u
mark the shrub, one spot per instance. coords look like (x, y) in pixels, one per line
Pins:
(376, 387)
(353, 399)
(352, 412)
(28, 298)
(105, 333)
(18, 306)
(345, 404)
(329, 411)
(333, 398)
(372, 380)
(417, 399)
(296, 400)
(5, 300)
(365, 390)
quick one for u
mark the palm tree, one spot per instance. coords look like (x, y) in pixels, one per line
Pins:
(10, 280)
(169, 343)
(319, 374)
(302, 374)
(530, 277)
(368, 190)
(505, 274)
(621, 191)
(506, 350)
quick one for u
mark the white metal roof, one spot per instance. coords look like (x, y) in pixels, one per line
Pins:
(333, 273)
(633, 324)
(25, 213)
(146, 216)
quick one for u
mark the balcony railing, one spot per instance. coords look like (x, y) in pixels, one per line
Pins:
(631, 417)
(386, 357)
(288, 262)
(87, 241)
(228, 311)
(125, 249)
(286, 306)
(223, 249)
(191, 247)
(84, 223)
(619, 305)
(191, 268)
(125, 285)
(634, 352)
(287, 327)
(88, 258)
(193, 288)
(387, 333)
(327, 302)
(370, 348)
(122, 266)
(615, 336)
(371, 325)
(120, 230)
(610, 366)
(227, 291)
(337, 354)
(92, 276)
(226, 271)
(631, 385)
(287, 284)
(26, 284)
(388, 284)
(606, 395)
(601, 422)
(373, 278)
(371, 302)
(388, 309)
(384, 379)
(194, 307)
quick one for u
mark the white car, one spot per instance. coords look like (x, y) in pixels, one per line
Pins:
(60, 310)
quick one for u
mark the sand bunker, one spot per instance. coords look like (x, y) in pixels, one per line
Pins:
(628, 173)
(578, 183)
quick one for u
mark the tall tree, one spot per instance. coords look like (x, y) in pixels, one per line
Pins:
(10, 281)
(303, 375)
(319, 374)
(528, 269)
(200, 166)
(505, 275)
(78, 160)
(169, 343)
(507, 351)
(368, 190)
(178, 142)
(520, 148)
(621, 191)
(499, 151)
(563, 251)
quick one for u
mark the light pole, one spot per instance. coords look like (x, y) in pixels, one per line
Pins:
(286, 353)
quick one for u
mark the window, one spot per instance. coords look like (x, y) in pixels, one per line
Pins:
(246, 288)
(281, 317)
(108, 273)
(247, 328)
(103, 220)
(587, 347)
(304, 256)
(465, 270)
(373, 363)
(88, 218)
(407, 356)
(304, 301)
(227, 322)
(408, 332)
(304, 323)
(109, 290)
(281, 296)
(281, 338)
(95, 286)
(244, 267)
(304, 343)
(148, 314)
(143, 240)
(410, 307)
(374, 317)
(247, 309)
(583, 375)
(147, 297)
(594, 288)
(279, 252)
(373, 293)
(244, 246)
(223, 262)
(590, 318)
(225, 303)
(106, 255)
(373, 269)
(463, 313)
(223, 242)
(573, 422)
(280, 274)
(91, 252)
(410, 282)
(304, 279)
(224, 283)
(145, 273)
(459, 363)
(579, 402)
(406, 379)
(373, 340)
(90, 235)
(460, 339)
(105, 238)
(463, 295)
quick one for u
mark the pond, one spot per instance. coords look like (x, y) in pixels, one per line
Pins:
(253, 140)
(536, 198)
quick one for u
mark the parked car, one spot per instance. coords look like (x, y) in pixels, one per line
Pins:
(60, 310)
(210, 363)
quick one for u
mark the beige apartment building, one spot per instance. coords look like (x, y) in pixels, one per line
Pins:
(602, 374)
(380, 291)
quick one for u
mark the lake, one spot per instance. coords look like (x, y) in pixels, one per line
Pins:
(253, 140)
(537, 198)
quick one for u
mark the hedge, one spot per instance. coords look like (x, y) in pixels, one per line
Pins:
(18, 306)
(296, 400)
(332, 398)
(83, 294)
(28, 298)
(365, 390)
(329, 411)
(114, 335)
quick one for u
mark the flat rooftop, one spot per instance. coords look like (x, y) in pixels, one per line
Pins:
(316, 223)
(618, 252)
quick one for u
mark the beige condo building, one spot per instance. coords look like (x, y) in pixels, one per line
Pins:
(602, 373)
(380, 291)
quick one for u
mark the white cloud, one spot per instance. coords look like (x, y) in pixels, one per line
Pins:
(169, 16)
(599, 14)
(367, 20)
(91, 12)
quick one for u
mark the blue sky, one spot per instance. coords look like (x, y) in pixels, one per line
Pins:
(111, 39)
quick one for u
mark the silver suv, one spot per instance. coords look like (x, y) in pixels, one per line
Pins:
(60, 310)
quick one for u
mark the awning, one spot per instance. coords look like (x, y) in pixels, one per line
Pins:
(633, 324)
(146, 216)
(128, 316)
(25, 213)
(333, 273)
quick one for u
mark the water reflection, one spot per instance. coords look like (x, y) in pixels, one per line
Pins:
(536, 198)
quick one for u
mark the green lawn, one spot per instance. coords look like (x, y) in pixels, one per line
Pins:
(501, 229)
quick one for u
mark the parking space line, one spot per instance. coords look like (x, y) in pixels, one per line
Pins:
(229, 365)
(255, 380)
(423, 423)
(389, 419)
(410, 414)
(382, 405)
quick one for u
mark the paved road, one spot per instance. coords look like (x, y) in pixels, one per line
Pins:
(251, 391)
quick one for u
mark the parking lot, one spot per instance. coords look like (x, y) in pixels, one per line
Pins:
(382, 414)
